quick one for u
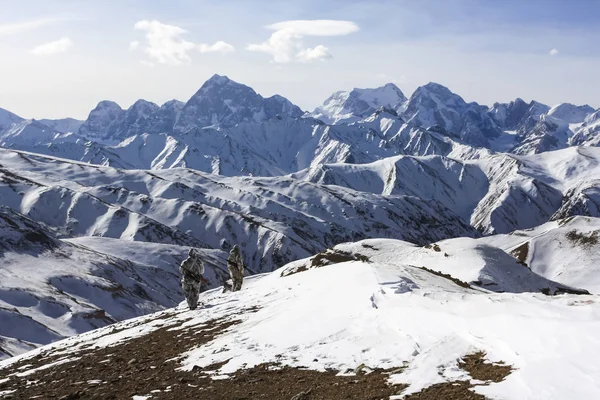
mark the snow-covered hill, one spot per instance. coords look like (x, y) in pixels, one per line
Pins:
(496, 193)
(274, 220)
(566, 250)
(52, 288)
(368, 310)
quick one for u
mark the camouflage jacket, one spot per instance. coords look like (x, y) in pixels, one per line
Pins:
(192, 269)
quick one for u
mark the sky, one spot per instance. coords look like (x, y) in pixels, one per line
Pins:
(61, 57)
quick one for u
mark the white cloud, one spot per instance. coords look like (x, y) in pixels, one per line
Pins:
(318, 53)
(165, 43)
(61, 45)
(24, 26)
(553, 52)
(285, 44)
(218, 47)
(134, 45)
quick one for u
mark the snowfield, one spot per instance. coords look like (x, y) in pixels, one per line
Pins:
(386, 312)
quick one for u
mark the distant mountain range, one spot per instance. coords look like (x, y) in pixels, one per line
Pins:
(227, 128)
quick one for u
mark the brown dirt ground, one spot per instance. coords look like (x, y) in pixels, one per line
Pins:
(145, 366)
(477, 366)
(521, 253)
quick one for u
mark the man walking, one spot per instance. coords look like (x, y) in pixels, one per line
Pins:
(191, 270)
(235, 264)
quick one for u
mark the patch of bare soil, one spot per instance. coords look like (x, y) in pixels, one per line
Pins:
(589, 240)
(327, 257)
(448, 276)
(148, 365)
(331, 256)
(478, 367)
(270, 381)
(521, 253)
(482, 370)
(434, 247)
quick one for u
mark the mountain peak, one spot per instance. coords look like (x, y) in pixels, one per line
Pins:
(343, 106)
(437, 89)
(224, 102)
(219, 79)
(107, 105)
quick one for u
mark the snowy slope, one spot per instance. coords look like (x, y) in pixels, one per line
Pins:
(274, 220)
(51, 288)
(7, 119)
(566, 250)
(352, 317)
(588, 133)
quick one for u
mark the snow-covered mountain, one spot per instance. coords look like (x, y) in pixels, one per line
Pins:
(517, 127)
(109, 123)
(435, 105)
(7, 119)
(220, 102)
(274, 220)
(372, 319)
(52, 288)
(229, 129)
(497, 193)
(346, 107)
(63, 125)
(588, 133)
(571, 113)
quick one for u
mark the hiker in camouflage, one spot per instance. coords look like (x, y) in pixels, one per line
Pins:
(235, 264)
(191, 270)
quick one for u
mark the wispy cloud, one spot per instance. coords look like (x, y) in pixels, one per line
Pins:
(61, 45)
(24, 26)
(286, 43)
(553, 52)
(165, 44)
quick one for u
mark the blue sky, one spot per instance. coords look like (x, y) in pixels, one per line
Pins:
(60, 57)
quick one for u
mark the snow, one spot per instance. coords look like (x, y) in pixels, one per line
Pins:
(553, 255)
(51, 289)
(387, 313)
(347, 107)
(328, 314)
(570, 113)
